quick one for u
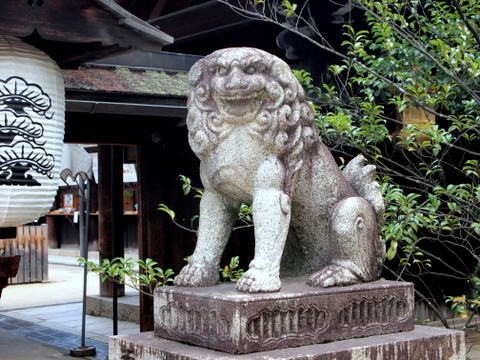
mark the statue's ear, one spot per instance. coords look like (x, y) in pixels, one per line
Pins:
(196, 72)
(281, 71)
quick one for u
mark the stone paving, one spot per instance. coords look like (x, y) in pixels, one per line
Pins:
(44, 320)
(60, 326)
(47, 336)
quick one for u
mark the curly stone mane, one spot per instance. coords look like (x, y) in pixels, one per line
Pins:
(284, 120)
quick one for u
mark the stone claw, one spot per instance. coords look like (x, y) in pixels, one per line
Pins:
(255, 281)
(197, 274)
(333, 275)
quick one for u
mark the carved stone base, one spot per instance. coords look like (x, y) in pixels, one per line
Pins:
(420, 344)
(223, 319)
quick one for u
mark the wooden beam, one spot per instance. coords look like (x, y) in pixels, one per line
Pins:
(113, 129)
(157, 10)
(198, 21)
(76, 30)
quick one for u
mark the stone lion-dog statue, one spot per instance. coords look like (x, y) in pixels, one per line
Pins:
(249, 124)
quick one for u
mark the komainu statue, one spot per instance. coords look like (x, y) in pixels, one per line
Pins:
(257, 141)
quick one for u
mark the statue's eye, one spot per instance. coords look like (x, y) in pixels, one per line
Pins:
(251, 70)
(222, 71)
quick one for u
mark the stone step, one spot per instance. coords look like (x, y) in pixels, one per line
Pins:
(419, 344)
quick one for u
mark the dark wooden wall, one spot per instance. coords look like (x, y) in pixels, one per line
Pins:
(159, 166)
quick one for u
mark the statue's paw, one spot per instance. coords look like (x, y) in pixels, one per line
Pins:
(257, 281)
(333, 275)
(197, 274)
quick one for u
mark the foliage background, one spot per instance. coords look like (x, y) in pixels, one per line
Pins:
(401, 59)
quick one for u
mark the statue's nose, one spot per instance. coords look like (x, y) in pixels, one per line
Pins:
(236, 80)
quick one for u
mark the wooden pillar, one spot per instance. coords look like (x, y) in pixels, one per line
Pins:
(52, 223)
(93, 228)
(160, 160)
(110, 209)
(149, 191)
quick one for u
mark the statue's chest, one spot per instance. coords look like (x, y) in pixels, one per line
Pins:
(232, 166)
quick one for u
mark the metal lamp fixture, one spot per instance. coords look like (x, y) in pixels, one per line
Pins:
(32, 122)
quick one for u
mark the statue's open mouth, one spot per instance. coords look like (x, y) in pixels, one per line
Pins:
(240, 106)
(239, 95)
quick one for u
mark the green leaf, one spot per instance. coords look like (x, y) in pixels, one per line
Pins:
(289, 8)
(476, 227)
(166, 209)
(186, 184)
(392, 250)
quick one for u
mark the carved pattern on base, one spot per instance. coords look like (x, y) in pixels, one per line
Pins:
(367, 313)
(300, 322)
(200, 322)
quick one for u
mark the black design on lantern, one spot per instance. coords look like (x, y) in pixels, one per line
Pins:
(21, 145)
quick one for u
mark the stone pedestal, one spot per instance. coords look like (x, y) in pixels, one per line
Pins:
(419, 344)
(368, 321)
(221, 318)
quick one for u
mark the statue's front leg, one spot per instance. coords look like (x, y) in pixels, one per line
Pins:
(271, 217)
(216, 221)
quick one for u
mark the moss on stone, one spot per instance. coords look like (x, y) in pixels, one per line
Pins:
(153, 82)
(122, 79)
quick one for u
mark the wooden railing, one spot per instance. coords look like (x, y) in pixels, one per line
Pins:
(32, 244)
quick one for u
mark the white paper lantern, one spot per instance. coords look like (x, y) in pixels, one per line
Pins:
(32, 122)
